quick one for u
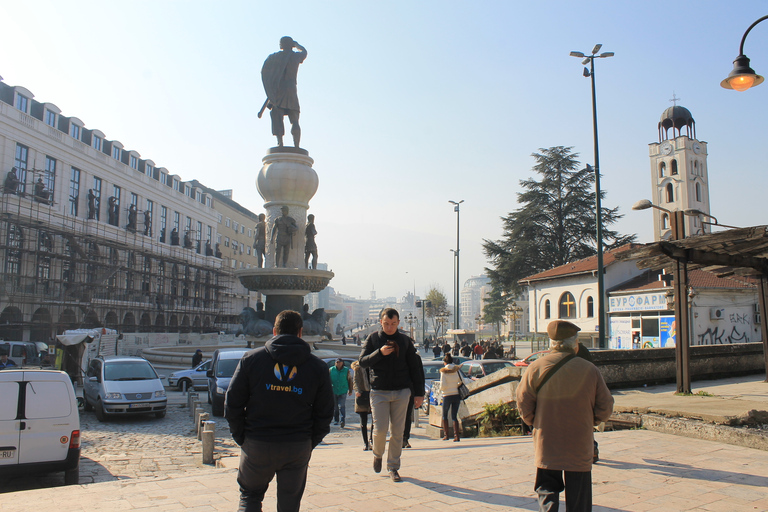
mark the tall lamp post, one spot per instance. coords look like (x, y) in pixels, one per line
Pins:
(590, 73)
(456, 270)
(742, 77)
(410, 319)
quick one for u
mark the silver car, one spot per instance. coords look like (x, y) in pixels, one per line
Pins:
(193, 377)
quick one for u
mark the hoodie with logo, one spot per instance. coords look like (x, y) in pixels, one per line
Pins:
(280, 393)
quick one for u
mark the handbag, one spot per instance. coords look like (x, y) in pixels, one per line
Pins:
(463, 390)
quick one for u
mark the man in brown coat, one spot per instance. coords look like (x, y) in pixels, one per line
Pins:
(563, 411)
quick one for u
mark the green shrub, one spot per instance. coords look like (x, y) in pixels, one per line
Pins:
(501, 419)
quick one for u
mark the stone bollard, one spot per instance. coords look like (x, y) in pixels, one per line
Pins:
(196, 418)
(200, 422)
(191, 397)
(208, 435)
(197, 404)
(416, 413)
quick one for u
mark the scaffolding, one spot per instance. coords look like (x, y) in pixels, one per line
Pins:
(60, 271)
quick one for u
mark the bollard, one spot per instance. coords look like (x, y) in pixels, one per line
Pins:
(197, 404)
(209, 432)
(191, 397)
(203, 418)
(196, 418)
(416, 417)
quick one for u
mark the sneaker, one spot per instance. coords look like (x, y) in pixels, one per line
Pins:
(394, 475)
(342, 424)
(377, 464)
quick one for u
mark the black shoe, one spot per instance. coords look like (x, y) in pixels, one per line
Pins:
(366, 448)
(394, 475)
(406, 444)
(377, 464)
(342, 424)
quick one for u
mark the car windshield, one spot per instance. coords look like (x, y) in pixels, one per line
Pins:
(432, 372)
(124, 370)
(494, 367)
(226, 367)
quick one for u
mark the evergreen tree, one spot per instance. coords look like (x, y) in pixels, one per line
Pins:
(555, 223)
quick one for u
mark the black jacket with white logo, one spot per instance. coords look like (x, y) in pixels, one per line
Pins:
(280, 392)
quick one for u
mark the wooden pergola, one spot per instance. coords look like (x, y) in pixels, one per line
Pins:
(741, 251)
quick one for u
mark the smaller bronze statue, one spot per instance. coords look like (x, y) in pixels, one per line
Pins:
(283, 230)
(113, 214)
(174, 236)
(41, 194)
(132, 214)
(260, 240)
(147, 223)
(11, 182)
(208, 248)
(310, 247)
(187, 240)
(91, 204)
(217, 251)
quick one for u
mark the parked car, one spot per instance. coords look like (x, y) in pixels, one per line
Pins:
(479, 368)
(39, 424)
(193, 377)
(456, 359)
(23, 353)
(223, 365)
(432, 375)
(119, 385)
(531, 358)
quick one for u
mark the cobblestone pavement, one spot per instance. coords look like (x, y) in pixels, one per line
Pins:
(144, 446)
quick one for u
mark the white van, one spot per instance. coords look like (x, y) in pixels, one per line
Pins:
(39, 424)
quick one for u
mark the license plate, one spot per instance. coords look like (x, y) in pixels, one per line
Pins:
(8, 454)
(138, 406)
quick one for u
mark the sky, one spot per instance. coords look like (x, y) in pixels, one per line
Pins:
(406, 106)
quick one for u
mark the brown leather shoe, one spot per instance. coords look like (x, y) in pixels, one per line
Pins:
(377, 464)
(394, 475)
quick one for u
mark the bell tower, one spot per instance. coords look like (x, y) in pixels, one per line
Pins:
(679, 175)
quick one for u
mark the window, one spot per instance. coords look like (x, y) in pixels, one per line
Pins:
(22, 103)
(250, 235)
(199, 196)
(134, 163)
(163, 178)
(74, 131)
(219, 216)
(242, 230)
(49, 176)
(662, 169)
(208, 201)
(674, 167)
(134, 200)
(116, 153)
(187, 191)
(163, 222)
(670, 193)
(148, 211)
(116, 193)
(590, 307)
(74, 190)
(567, 306)
(226, 241)
(698, 192)
(664, 221)
(546, 309)
(176, 221)
(15, 241)
(96, 197)
(149, 170)
(175, 184)
(98, 143)
(228, 222)
(50, 118)
(20, 162)
(199, 235)
(234, 245)
(235, 226)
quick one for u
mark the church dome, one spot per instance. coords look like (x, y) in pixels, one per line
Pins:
(676, 118)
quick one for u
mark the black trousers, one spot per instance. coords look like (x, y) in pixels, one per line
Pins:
(408, 419)
(260, 461)
(578, 490)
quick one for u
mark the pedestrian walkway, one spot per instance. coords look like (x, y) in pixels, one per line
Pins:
(639, 471)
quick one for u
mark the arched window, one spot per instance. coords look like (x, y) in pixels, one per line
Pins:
(674, 167)
(546, 309)
(662, 169)
(567, 306)
(664, 221)
(590, 307)
(670, 193)
(698, 192)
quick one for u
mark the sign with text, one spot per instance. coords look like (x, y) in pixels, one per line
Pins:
(655, 301)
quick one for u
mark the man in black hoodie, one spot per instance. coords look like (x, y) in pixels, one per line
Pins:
(395, 372)
(279, 406)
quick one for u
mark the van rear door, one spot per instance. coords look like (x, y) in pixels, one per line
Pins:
(9, 410)
(50, 417)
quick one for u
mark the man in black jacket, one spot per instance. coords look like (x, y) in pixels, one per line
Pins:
(395, 370)
(279, 406)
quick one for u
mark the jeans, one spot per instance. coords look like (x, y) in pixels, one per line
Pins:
(451, 403)
(340, 407)
(578, 490)
(260, 461)
(388, 408)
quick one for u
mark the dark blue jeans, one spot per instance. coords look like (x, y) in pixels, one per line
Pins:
(340, 407)
(260, 461)
(451, 403)
(578, 490)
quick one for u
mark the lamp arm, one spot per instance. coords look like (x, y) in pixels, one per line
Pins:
(744, 38)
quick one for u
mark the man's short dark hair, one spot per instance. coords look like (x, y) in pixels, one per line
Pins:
(389, 313)
(288, 322)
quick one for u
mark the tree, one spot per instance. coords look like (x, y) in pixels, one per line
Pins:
(494, 309)
(438, 308)
(555, 223)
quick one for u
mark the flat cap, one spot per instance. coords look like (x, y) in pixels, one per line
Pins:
(561, 330)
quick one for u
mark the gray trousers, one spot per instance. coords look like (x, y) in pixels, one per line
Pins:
(388, 409)
(260, 461)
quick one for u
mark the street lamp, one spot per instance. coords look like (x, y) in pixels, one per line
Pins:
(410, 319)
(590, 73)
(423, 304)
(743, 77)
(514, 311)
(456, 270)
(693, 212)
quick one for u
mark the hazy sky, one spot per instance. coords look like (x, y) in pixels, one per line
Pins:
(405, 106)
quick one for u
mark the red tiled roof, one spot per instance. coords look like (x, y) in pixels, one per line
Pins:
(697, 279)
(580, 266)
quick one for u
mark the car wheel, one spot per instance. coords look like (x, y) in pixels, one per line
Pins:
(160, 414)
(99, 410)
(72, 476)
(185, 383)
(86, 404)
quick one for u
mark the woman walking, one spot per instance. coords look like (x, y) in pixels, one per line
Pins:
(362, 401)
(449, 385)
